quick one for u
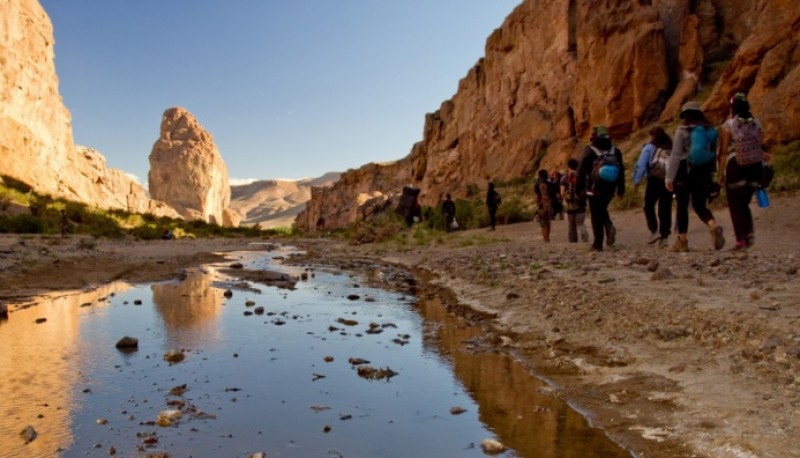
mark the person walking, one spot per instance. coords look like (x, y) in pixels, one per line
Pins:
(542, 188)
(690, 172)
(652, 164)
(741, 154)
(448, 213)
(576, 205)
(601, 174)
(492, 202)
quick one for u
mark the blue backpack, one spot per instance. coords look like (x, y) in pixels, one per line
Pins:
(702, 145)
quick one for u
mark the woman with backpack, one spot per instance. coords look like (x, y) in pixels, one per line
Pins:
(601, 175)
(690, 172)
(740, 157)
(652, 164)
(543, 189)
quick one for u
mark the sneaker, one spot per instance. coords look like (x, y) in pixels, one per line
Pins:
(584, 235)
(680, 246)
(654, 237)
(719, 240)
(740, 245)
(612, 236)
(594, 248)
(662, 242)
(750, 240)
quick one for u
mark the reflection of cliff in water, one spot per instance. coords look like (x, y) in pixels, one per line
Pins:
(40, 367)
(189, 309)
(511, 399)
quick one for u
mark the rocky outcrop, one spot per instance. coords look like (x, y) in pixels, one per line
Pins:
(187, 171)
(554, 69)
(275, 203)
(36, 142)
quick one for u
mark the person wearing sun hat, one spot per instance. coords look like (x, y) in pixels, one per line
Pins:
(741, 155)
(690, 171)
(601, 174)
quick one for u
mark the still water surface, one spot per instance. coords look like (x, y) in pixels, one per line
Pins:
(279, 382)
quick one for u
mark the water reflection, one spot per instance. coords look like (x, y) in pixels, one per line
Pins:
(189, 309)
(40, 366)
(278, 382)
(517, 406)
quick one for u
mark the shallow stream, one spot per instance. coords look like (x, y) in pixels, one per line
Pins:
(281, 381)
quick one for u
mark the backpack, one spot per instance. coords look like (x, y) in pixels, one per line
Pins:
(552, 189)
(606, 166)
(569, 182)
(702, 140)
(658, 163)
(746, 137)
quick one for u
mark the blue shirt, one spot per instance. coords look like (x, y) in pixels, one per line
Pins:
(642, 168)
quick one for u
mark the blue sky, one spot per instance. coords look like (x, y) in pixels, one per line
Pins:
(288, 89)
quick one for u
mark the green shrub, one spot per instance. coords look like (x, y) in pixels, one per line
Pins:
(20, 224)
(786, 160)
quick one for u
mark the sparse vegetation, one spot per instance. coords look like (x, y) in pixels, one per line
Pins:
(41, 214)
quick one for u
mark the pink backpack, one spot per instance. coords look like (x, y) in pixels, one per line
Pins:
(746, 137)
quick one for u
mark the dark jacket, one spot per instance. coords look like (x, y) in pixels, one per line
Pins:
(586, 165)
(448, 208)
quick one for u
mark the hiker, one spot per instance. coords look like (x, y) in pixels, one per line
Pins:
(557, 201)
(690, 171)
(492, 202)
(576, 205)
(166, 234)
(63, 223)
(740, 158)
(543, 189)
(601, 174)
(652, 164)
(449, 213)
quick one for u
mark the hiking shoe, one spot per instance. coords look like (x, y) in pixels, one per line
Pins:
(594, 248)
(584, 235)
(662, 242)
(719, 240)
(612, 236)
(740, 245)
(680, 246)
(750, 240)
(654, 237)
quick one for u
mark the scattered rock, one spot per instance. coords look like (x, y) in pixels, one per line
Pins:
(259, 310)
(357, 361)
(457, 410)
(662, 273)
(370, 373)
(102, 421)
(28, 434)
(652, 265)
(168, 417)
(237, 265)
(492, 446)
(328, 359)
(41, 320)
(228, 293)
(249, 303)
(128, 343)
(137, 302)
(354, 297)
(178, 390)
(174, 356)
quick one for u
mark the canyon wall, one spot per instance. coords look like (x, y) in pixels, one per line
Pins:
(36, 142)
(555, 68)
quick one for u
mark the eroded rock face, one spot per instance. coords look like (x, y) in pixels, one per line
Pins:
(36, 142)
(187, 171)
(554, 69)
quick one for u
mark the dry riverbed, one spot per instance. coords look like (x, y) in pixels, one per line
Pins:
(690, 354)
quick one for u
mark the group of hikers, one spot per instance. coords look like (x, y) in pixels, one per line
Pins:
(681, 168)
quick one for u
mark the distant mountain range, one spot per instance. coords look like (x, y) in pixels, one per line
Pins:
(275, 203)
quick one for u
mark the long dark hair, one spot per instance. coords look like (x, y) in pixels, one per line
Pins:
(694, 117)
(740, 107)
(660, 138)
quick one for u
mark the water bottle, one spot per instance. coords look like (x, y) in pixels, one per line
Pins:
(762, 197)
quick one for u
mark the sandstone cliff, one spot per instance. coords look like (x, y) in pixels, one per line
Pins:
(554, 69)
(275, 203)
(187, 171)
(36, 143)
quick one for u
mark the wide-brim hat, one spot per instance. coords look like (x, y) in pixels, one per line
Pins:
(690, 106)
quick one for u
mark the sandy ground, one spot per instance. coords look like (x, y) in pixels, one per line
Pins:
(673, 354)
